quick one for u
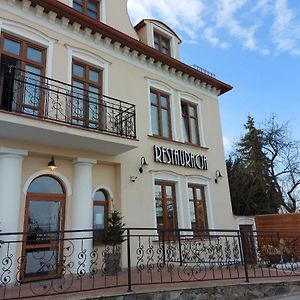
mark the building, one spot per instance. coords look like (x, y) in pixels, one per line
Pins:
(128, 126)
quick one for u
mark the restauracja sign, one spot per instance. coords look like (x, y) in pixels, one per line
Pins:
(179, 158)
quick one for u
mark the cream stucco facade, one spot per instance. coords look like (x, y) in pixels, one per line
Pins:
(89, 160)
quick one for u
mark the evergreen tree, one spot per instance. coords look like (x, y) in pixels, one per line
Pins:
(114, 235)
(252, 189)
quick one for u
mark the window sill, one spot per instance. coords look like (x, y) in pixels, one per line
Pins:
(177, 142)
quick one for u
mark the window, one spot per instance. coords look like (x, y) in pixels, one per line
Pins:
(197, 206)
(160, 115)
(22, 90)
(87, 105)
(190, 123)
(44, 225)
(166, 210)
(162, 43)
(88, 7)
(100, 215)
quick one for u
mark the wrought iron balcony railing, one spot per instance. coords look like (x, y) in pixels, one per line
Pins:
(31, 94)
(44, 263)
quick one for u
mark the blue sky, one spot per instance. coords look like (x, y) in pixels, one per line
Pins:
(254, 45)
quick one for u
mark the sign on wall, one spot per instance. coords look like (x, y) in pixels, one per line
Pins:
(179, 158)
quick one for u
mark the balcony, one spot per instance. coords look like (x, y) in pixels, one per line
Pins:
(40, 109)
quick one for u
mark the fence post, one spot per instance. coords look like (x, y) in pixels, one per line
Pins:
(128, 261)
(243, 256)
(179, 245)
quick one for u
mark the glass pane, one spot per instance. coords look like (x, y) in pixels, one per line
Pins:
(192, 111)
(94, 76)
(164, 101)
(158, 192)
(12, 46)
(46, 185)
(154, 120)
(78, 70)
(185, 129)
(78, 97)
(41, 261)
(198, 194)
(159, 208)
(99, 217)
(190, 190)
(153, 97)
(44, 217)
(164, 43)
(165, 51)
(201, 213)
(77, 7)
(92, 5)
(34, 54)
(169, 192)
(194, 131)
(192, 212)
(32, 92)
(99, 196)
(165, 123)
(92, 14)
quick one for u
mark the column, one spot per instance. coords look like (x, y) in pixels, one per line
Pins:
(82, 214)
(10, 201)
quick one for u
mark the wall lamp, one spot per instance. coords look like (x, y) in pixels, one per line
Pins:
(143, 164)
(218, 176)
(51, 164)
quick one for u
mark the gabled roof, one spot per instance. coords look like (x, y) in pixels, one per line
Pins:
(64, 11)
(142, 23)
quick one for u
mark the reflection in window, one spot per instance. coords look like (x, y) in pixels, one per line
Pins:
(190, 123)
(46, 185)
(160, 114)
(166, 210)
(88, 7)
(161, 43)
(197, 206)
(100, 215)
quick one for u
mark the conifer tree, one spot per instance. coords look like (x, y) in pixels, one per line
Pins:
(252, 189)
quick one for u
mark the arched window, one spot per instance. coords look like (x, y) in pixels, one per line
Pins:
(43, 227)
(100, 214)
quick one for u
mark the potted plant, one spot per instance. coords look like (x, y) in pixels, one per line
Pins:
(114, 237)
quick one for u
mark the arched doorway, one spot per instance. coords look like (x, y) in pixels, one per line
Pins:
(43, 227)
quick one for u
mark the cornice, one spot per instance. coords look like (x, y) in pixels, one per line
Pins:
(130, 46)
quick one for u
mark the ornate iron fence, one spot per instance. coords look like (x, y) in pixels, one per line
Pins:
(31, 94)
(48, 263)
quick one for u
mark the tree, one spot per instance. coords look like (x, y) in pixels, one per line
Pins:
(284, 155)
(114, 235)
(251, 186)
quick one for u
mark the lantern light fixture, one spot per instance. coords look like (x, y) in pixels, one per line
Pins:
(51, 164)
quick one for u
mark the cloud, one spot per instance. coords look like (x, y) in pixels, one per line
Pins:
(285, 30)
(176, 13)
(228, 144)
(256, 25)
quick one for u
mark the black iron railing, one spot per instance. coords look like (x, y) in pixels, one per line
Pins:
(71, 261)
(204, 71)
(29, 93)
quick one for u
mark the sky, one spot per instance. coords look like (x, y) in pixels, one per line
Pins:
(253, 45)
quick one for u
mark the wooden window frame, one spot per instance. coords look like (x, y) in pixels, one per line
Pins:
(85, 8)
(86, 84)
(166, 234)
(105, 204)
(162, 38)
(44, 197)
(185, 105)
(160, 94)
(194, 187)
(22, 57)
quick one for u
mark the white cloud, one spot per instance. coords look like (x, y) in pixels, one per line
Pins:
(257, 25)
(285, 30)
(228, 144)
(176, 13)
